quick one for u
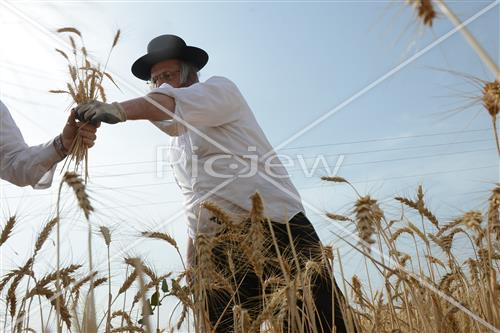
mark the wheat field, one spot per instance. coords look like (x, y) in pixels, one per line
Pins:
(419, 277)
(432, 290)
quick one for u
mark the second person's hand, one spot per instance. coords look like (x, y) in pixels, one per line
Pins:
(73, 129)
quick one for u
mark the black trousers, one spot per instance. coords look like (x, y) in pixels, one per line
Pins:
(307, 245)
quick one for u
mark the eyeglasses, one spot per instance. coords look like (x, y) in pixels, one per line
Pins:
(162, 77)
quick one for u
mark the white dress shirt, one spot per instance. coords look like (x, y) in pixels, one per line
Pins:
(20, 164)
(218, 111)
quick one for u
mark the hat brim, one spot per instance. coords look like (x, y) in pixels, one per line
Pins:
(193, 55)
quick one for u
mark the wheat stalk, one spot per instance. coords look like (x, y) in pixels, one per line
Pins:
(421, 209)
(161, 236)
(76, 183)
(54, 275)
(368, 217)
(220, 215)
(491, 102)
(128, 329)
(337, 179)
(44, 235)
(106, 235)
(11, 292)
(425, 11)
(138, 266)
(7, 229)
(123, 315)
(483, 55)
(337, 217)
(98, 282)
(57, 301)
(254, 244)
(128, 282)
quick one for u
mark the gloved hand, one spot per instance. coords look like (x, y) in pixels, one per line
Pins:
(95, 112)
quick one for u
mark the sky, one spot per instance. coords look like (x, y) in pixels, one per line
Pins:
(324, 73)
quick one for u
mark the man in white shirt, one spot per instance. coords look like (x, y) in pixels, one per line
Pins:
(218, 149)
(22, 165)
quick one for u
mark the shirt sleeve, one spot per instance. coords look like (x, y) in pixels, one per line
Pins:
(171, 126)
(20, 164)
(212, 103)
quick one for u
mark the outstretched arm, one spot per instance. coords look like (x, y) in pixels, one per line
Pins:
(154, 106)
(151, 107)
(205, 104)
(23, 165)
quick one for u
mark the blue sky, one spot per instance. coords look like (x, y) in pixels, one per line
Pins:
(294, 62)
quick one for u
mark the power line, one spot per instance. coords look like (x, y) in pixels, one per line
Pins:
(329, 155)
(414, 175)
(12, 65)
(143, 204)
(24, 101)
(25, 88)
(311, 187)
(406, 148)
(325, 164)
(407, 158)
(388, 139)
(91, 189)
(300, 188)
(156, 203)
(336, 154)
(32, 71)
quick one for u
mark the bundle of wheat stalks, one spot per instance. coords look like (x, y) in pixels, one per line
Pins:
(430, 290)
(85, 83)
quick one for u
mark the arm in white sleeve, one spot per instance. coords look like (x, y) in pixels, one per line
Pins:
(20, 164)
(212, 103)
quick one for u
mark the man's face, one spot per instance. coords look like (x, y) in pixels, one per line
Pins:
(168, 71)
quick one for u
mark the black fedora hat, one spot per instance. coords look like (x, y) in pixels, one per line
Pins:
(167, 47)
